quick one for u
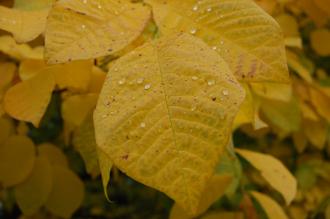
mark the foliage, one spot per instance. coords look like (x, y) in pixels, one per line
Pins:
(175, 100)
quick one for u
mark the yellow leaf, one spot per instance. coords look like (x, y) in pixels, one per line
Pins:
(19, 51)
(28, 100)
(97, 80)
(75, 75)
(272, 209)
(67, 192)
(105, 168)
(321, 102)
(7, 73)
(324, 5)
(214, 190)
(300, 141)
(29, 68)
(273, 171)
(33, 4)
(17, 158)
(288, 24)
(283, 115)
(24, 25)
(88, 29)
(53, 153)
(316, 132)
(319, 16)
(320, 41)
(165, 115)
(7, 129)
(274, 91)
(33, 193)
(247, 38)
(298, 67)
(84, 142)
(246, 112)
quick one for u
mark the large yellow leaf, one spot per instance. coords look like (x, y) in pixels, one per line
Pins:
(165, 113)
(247, 38)
(87, 29)
(28, 100)
(273, 171)
(272, 209)
(19, 51)
(67, 192)
(24, 25)
(53, 153)
(214, 190)
(33, 4)
(33, 193)
(17, 158)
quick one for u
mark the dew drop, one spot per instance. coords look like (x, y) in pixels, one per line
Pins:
(147, 86)
(140, 80)
(85, 1)
(193, 108)
(107, 103)
(225, 92)
(209, 9)
(195, 8)
(105, 116)
(221, 42)
(122, 81)
(211, 82)
(142, 125)
(83, 26)
(194, 78)
(99, 6)
(214, 48)
(193, 31)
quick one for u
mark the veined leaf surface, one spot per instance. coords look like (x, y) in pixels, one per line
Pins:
(87, 29)
(247, 38)
(165, 113)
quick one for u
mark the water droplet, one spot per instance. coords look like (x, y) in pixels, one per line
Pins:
(140, 80)
(193, 108)
(83, 26)
(147, 86)
(105, 116)
(122, 81)
(225, 92)
(115, 69)
(209, 9)
(142, 125)
(85, 1)
(194, 78)
(221, 42)
(214, 48)
(107, 103)
(193, 31)
(211, 82)
(195, 8)
(99, 6)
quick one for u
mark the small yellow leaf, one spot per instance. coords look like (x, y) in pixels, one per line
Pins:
(7, 128)
(28, 100)
(165, 115)
(310, 7)
(214, 190)
(75, 75)
(316, 132)
(84, 142)
(105, 168)
(321, 102)
(300, 141)
(246, 112)
(273, 171)
(272, 209)
(33, 193)
(67, 192)
(274, 91)
(24, 25)
(320, 41)
(29, 68)
(19, 51)
(296, 65)
(53, 153)
(288, 24)
(253, 54)
(88, 29)
(17, 157)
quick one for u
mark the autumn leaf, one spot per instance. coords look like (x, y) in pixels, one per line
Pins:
(28, 100)
(274, 172)
(30, 5)
(159, 132)
(319, 41)
(89, 29)
(246, 37)
(272, 209)
(54, 154)
(24, 25)
(33, 193)
(17, 156)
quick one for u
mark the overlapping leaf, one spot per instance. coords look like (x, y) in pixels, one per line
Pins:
(88, 29)
(247, 38)
(164, 115)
